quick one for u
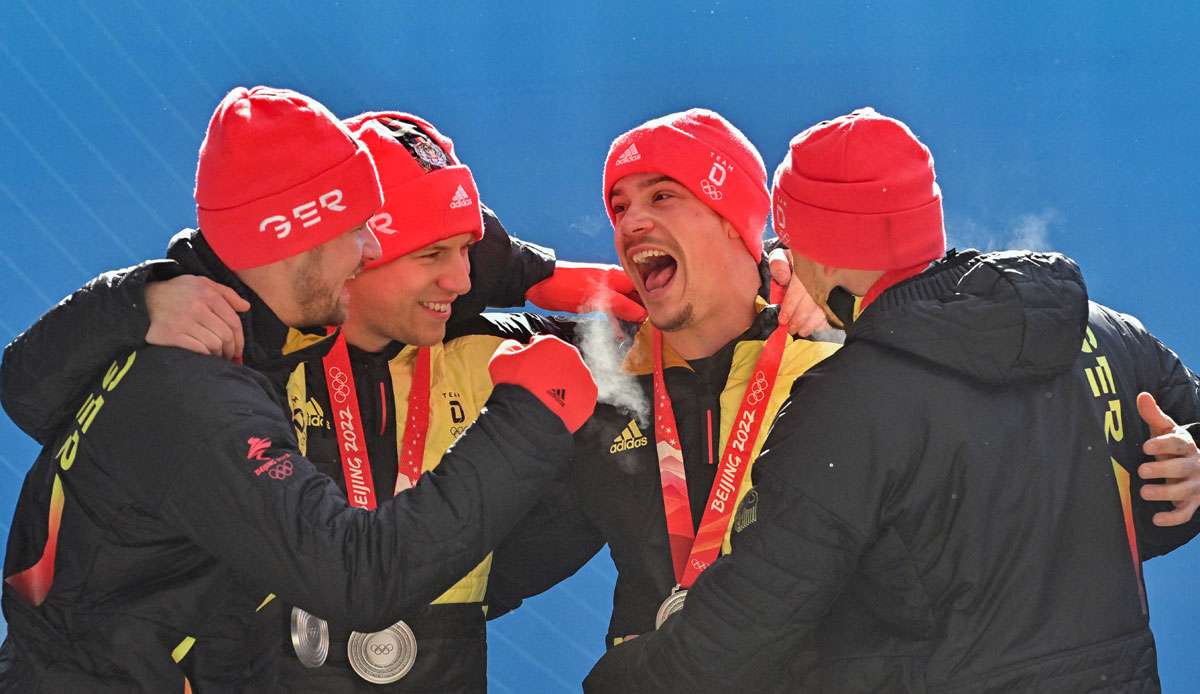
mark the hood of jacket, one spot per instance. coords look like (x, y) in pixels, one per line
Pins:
(993, 317)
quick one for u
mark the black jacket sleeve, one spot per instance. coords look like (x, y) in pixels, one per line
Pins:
(549, 545)
(503, 268)
(1176, 389)
(231, 478)
(813, 524)
(46, 368)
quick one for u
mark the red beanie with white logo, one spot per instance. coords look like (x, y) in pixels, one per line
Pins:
(707, 155)
(279, 175)
(428, 195)
(859, 192)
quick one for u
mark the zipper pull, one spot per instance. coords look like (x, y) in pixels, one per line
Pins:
(708, 416)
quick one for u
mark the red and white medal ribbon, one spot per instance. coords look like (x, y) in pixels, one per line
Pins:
(412, 452)
(360, 490)
(693, 552)
(352, 446)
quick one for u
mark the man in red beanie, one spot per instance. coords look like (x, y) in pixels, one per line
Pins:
(159, 523)
(956, 500)
(429, 225)
(688, 200)
(418, 381)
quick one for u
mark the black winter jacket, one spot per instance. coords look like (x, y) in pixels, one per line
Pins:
(49, 364)
(616, 482)
(948, 504)
(451, 633)
(179, 503)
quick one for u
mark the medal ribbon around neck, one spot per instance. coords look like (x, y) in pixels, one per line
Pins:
(352, 447)
(693, 552)
(412, 453)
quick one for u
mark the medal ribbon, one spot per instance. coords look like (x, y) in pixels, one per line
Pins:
(693, 552)
(352, 446)
(412, 454)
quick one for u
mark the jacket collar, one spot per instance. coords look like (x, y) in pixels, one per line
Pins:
(639, 361)
(270, 344)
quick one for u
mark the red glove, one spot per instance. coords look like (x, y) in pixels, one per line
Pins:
(553, 372)
(587, 287)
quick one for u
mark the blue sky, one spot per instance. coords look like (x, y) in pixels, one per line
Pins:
(1065, 128)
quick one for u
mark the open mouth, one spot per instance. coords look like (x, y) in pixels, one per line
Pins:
(656, 268)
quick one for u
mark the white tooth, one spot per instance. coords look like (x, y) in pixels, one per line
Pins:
(642, 256)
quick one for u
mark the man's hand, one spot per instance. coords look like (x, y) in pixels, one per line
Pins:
(588, 287)
(553, 372)
(1176, 462)
(797, 310)
(197, 314)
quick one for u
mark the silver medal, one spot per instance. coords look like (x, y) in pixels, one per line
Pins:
(310, 638)
(670, 606)
(384, 656)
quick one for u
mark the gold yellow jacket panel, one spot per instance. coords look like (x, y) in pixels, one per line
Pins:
(460, 385)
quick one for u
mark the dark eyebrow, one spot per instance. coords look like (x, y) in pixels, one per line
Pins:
(445, 245)
(655, 181)
(646, 184)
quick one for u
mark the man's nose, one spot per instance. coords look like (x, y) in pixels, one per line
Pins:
(635, 221)
(370, 245)
(457, 276)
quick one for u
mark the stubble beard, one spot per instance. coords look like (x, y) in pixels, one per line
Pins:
(317, 301)
(675, 323)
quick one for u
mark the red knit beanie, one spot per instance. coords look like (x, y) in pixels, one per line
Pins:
(428, 195)
(278, 175)
(858, 192)
(707, 155)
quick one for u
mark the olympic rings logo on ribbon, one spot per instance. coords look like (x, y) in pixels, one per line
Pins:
(758, 389)
(341, 384)
(382, 648)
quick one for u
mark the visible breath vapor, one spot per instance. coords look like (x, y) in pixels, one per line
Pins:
(1026, 232)
(603, 354)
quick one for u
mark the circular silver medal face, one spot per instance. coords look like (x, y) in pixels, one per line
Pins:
(670, 606)
(384, 656)
(310, 638)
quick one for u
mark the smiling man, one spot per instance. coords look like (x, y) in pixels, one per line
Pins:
(418, 381)
(669, 241)
(959, 500)
(161, 520)
(687, 197)
(409, 377)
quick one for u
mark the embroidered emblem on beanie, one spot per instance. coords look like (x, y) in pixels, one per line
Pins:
(427, 154)
(707, 155)
(428, 194)
(460, 199)
(630, 154)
